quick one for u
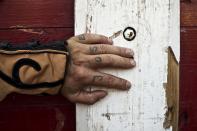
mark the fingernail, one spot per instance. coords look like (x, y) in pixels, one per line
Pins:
(128, 84)
(104, 94)
(110, 40)
(133, 62)
(129, 52)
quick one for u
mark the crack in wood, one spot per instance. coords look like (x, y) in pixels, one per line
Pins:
(172, 92)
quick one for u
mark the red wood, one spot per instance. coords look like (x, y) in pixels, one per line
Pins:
(188, 46)
(44, 20)
(36, 113)
(188, 66)
(37, 118)
(34, 100)
(42, 34)
(188, 13)
(186, 1)
(36, 13)
(188, 82)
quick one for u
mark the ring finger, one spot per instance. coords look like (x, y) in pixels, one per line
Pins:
(109, 60)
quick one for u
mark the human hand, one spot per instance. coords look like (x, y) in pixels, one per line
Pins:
(88, 53)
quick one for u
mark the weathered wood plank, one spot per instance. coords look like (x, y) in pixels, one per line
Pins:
(36, 13)
(188, 13)
(43, 20)
(37, 118)
(188, 46)
(157, 24)
(36, 113)
(41, 34)
(188, 82)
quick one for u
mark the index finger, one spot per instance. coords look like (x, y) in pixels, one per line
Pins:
(92, 39)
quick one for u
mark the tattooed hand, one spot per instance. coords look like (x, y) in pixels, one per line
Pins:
(88, 52)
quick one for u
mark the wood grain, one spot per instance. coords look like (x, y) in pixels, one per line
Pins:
(30, 113)
(18, 36)
(36, 13)
(188, 13)
(37, 118)
(25, 112)
(172, 92)
(157, 25)
(188, 46)
(43, 20)
(188, 90)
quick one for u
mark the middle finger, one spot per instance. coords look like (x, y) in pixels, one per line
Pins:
(109, 49)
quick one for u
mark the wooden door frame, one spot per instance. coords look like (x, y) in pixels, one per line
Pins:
(144, 106)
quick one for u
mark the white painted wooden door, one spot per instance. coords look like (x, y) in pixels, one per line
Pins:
(157, 25)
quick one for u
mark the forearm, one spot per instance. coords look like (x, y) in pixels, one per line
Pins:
(32, 68)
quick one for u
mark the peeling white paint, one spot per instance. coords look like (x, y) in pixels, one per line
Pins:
(157, 25)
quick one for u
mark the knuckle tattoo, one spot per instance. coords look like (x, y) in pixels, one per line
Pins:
(111, 80)
(103, 49)
(93, 49)
(97, 78)
(81, 37)
(98, 59)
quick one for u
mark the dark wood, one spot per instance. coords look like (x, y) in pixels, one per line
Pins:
(41, 34)
(43, 20)
(188, 46)
(36, 13)
(34, 100)
(188, 82)
(188, 13)
(186, 1)
(37, 118)
(188, 66)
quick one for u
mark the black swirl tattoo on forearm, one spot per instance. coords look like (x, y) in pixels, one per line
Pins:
(81, 37)
(17, 82)
(97, 78)
(93, 49)
(98, 59)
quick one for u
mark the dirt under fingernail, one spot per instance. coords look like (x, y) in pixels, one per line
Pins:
(129, 52)
(110, 40)
(133, 62)
(128, 85)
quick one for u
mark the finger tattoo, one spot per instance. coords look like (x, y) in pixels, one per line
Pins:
(81, 37)
(93, 49)
(97, 78)
(98, 59)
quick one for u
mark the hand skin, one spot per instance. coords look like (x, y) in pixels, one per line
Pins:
(88, 53)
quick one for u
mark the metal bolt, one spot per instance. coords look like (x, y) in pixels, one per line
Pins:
(129, 33)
